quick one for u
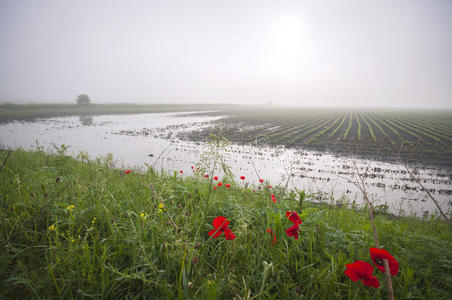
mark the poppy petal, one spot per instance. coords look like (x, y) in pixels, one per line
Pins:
(229, 234)
(220, 221)
(378, 255)
(293, 217)
(361, 270)
(372, 281)
(214, 231)
(293, 231)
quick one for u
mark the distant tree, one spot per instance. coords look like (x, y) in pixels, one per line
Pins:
(83, 100)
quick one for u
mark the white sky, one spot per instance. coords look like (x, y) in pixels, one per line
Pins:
(310, 53)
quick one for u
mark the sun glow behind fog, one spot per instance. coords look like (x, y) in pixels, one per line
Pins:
(288, 36)
(288, 58)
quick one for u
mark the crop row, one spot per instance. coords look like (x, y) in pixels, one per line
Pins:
(374, 131)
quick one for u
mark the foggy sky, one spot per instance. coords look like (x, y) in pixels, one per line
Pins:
(310, 53)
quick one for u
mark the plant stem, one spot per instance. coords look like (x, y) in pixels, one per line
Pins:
(362, 186)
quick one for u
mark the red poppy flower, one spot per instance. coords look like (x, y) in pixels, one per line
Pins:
(181, 171)
(215, 187)
(261, 180)
(360, 270)
(293, 217)
(242, 177)
(269, 186)
(215, 177)
(272, 235)
(206, 176)
(229, 234)
(273, 198)
(293, 231)
(221, 225)
(192, 167)
(378, 255)
(227, 185)
(127, 171)
(220, 183)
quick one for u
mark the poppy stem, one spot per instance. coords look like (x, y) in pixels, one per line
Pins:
(388, 280)
(362, 186)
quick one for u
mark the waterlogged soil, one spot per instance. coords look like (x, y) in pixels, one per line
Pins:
(154, 140)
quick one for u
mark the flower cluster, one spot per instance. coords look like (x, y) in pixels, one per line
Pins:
(295, 219)
(143, 216)
(360, 270)
(221, 225)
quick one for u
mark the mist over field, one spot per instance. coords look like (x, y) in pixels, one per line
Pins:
(306, 53)
(226, 149)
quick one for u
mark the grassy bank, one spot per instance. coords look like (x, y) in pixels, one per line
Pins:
(82, 229)
(9, 112)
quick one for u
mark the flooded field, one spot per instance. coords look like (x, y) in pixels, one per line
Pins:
(152, 139)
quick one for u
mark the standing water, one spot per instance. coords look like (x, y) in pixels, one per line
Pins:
(150, 139)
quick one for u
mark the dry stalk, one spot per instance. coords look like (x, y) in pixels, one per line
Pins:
(155, 195)
(423, 187)
(361, 185)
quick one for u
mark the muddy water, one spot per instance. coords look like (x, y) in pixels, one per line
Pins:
(150, 139)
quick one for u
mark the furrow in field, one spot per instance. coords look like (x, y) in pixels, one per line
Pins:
(402, 128)
(303, 125)
(339, 126)
(439, 132)
(385, 124)
(372, 134)
(293, 135)
(302, 136)
(417, 129)
(380, 129)
(358, 132)
(325, 130)
(349, 126)
(297, 123)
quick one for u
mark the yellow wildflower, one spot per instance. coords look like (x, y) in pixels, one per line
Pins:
(70, 207)
(144, 216)
(93, 221)
(52, 228)
(161, 207)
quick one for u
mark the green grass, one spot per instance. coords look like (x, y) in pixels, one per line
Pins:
(123, 255)
(9, 112)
